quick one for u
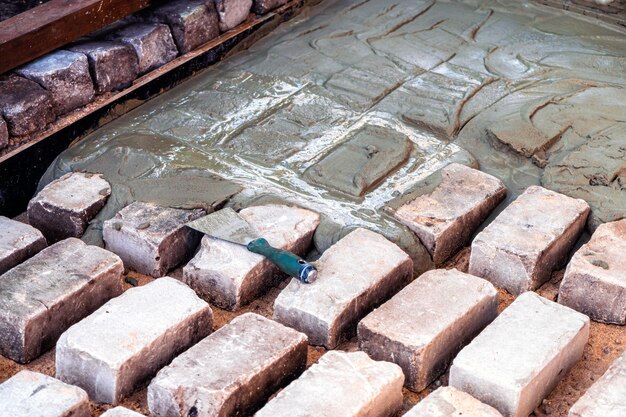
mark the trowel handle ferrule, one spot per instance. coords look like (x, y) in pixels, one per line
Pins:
(286, 261)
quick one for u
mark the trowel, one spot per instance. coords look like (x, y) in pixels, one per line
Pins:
(226, 224)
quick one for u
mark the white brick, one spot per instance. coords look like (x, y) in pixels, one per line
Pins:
(230, 276)
(520, 357)
(607, 396)
(42, 297)
(341, 384)
(519, 250)
(121, 412)
(356, 274)
(422, 334)
(64, 207)
(151, 239)
(31, 394)
(18, 242)
(130, 338)
(232, 372)
(446, 218)
(450, 402)
(595, 279)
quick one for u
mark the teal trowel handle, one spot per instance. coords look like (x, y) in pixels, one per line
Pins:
(286, 261)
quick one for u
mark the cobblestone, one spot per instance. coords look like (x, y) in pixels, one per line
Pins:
(345, 290)
(24, 105)
(232, 12)
(18, 242)
(450, 402)
(130, 338)
(121, 412)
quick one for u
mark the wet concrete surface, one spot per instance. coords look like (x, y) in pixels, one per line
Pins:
(530, 94)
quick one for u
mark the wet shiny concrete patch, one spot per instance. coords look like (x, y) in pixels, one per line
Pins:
(355, 103)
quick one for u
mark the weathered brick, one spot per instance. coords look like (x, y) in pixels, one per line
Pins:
(113, 65)
(64, 207)
(121, 412)
(230, 276)
(595, 279)
(152, 42)
(42, 297)
(346, 289)
(420, 333)
(264, 6)
(18, 242)
(65, 74)
(130, 338)
(4, 133)
(232, 12)
(192, 22)
(607, 396)
(520, 357)
(29, 394)
(519, 250)
(231, 372)
(446, 218)
(152, 239)
(24, 105)
(335, 387)
(450, 402)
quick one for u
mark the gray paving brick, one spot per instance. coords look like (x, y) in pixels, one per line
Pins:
(422, 334)
(595, 279)
(65, 74)
(24, 105)
(346, 289)
(231, 372)
(230, 276)
(121, 412)
(29, 394)
(520, 357)
(232, 12)
(446, 218)
(128, 339)
(607, 396)
(4, 134)
(341, 384)
(64, 207)
(18, 242)
(264, 6)
(113, 65)
(532, 237)
(42, 297)
(152, 239)
(450, 402)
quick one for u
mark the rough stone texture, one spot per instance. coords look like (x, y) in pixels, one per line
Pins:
(520, 357)
(64, 207)
(230, 276)
(230, 373)
(65, 74)
(232, 12)
(4, 133)
(192, 22)
(341, 384)
(446, 218)
(29, 394)
(152, 43)
(42, 297)
(595, 279)
(450, 402)
(18, 242)
(152, 239)
(130, 338)
(348, 287)
(422, 334)
(24, 105)
(121, 412)
(607, 396)
(362, 161)
(113, 65)
(519, 250)
(264, 6)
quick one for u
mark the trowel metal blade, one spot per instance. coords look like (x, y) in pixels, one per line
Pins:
(225, 224)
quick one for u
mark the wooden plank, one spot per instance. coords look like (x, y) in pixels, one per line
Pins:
(56, 23)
